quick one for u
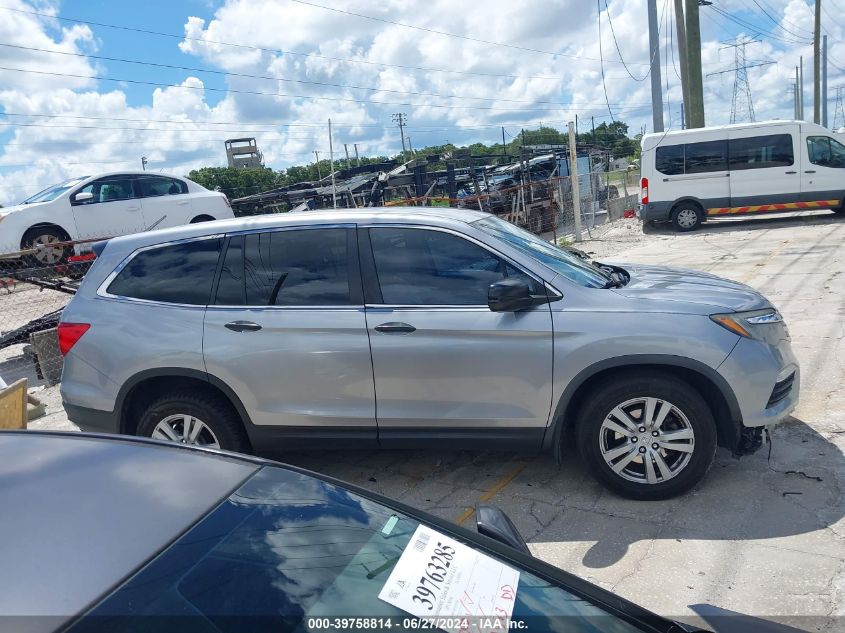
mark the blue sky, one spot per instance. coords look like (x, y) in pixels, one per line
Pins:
(455, 88)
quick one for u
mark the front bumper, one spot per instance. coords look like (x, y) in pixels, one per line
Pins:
(766, 380)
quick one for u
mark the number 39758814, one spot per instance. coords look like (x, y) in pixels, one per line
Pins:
(436, 570)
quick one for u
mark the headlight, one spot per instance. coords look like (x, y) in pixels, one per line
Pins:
(743, 323)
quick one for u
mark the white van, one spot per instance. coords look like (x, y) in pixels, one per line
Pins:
(689, 176)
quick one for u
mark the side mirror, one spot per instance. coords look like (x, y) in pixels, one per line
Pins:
(510, 295)
(83, 196)
(491, 521)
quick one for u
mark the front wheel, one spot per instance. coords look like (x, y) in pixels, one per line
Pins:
(651, 437)
(197, 419)
(49, 244)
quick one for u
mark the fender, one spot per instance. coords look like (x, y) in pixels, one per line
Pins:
(728, 428)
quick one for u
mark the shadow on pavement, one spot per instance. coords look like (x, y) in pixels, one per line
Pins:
(751, 223)
(794, 493)
(727, 621)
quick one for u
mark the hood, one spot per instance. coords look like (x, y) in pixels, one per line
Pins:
(691, 287)
(17, 207)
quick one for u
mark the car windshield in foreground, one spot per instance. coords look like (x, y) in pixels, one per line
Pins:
(54, 191)
(289, 552)
(570, 266)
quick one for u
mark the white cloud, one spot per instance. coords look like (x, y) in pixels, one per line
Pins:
(343, 49)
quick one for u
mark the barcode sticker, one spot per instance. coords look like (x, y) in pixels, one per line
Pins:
(422, 541)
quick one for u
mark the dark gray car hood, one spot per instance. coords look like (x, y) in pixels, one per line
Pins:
(661, 283)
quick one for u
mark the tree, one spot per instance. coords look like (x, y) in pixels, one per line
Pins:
(236, 183)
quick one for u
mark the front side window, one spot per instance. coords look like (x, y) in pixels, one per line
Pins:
(424, 267)
(825, 151)
(175, 273)
(299, 267)
(705, 157)
(759, 152)
(108, 189)
(153, 186)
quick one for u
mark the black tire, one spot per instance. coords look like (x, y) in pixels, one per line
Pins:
(45, 234)
(202, 218)
(687, 216)
(607, 396)
(217, 414)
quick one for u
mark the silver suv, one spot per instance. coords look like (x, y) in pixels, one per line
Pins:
(412, 328)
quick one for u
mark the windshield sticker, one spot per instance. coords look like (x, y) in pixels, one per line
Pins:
(438, 577)
(391, 523)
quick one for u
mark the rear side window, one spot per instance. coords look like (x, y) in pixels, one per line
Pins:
(153, 186)
(705, 157)
(176, 273)
(305, 267)
(669, 159)
(759, 152)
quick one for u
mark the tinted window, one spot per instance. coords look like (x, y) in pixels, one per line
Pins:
(286, 548)
(152, 186)
(179, 273)
(422, 267)
(297, 268)
(704, 157)
(230, 289)
(108, 189)
(825, 151)
(669, 159)
(758, 152)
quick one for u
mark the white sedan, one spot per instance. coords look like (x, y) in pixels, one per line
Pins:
(103, 206)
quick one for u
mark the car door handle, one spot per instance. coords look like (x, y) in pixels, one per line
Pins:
(132, 208)
(243, 326)
(792, 172)
(395, 327)
(184, 203)
(809, 171)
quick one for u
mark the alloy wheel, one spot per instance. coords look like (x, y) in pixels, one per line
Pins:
(646, 440)
(185, 429)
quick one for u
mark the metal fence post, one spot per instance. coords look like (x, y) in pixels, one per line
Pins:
(573, 176)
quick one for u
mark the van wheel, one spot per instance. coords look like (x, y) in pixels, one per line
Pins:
(687, 217)
(647, 437)
(197, 419)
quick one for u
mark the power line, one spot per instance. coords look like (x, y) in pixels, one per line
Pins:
(616, 44)
(271, 78)
(436, 32)
(754, 27)
(284, 52)
(777, 23)
(281, 94)
(601, 56)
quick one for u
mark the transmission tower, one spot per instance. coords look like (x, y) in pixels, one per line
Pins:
(839, 110)
(742, 105)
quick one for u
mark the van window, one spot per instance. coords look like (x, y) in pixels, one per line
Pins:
(706, 156)
(759, 152)
(669, 159)
(825, 151)
(175, 273)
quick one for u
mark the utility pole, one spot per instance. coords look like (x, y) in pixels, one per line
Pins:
(346, 150)
(357, 160)
(654, 53)
(573, 181)
(793, 90)
(504, 146)
(400, 119)
(331, 164)
(695, 84)
(681, 32)
(801, 87)
(317, 156)
(797, 88)
(144, 163)
(817, 117)
(824, 81)
(742, 105)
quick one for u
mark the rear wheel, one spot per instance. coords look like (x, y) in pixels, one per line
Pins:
(47, 241)
(195, 419)
(651, 437)
(687, 217)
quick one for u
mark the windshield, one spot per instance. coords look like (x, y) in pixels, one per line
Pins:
(561, 261)
(54, 191)
(286, 551)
